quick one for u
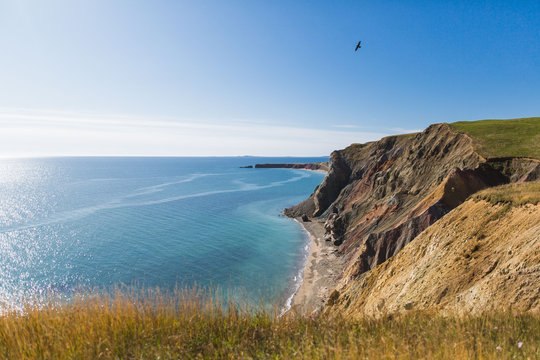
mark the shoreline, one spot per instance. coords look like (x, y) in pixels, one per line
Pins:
(320, 273)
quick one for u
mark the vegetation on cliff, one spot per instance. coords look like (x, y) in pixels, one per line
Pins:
(191, 326)
(504, 138)
(515, 194)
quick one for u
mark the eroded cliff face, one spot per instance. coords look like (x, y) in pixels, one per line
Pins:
(480, 257)
(379, 196)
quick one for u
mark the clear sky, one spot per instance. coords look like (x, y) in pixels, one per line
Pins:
(133, 77)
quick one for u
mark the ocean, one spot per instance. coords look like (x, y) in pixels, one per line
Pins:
(78, 224)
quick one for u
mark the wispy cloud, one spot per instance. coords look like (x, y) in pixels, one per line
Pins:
(395, 130)
(51, 133)
(345, 126)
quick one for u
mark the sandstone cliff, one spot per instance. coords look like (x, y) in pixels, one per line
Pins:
(482, 256)
(377, 197)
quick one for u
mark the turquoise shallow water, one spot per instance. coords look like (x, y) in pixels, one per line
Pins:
(68, 224)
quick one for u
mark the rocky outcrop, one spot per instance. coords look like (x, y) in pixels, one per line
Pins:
(338, 176)
(517, 169)
(335, 229)
(377, 197)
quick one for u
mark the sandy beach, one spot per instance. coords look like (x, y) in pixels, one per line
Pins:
(320, 274)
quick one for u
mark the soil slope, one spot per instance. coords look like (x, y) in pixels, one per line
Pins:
(482, 256)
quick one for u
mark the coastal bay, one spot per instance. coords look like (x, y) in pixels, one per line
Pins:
(158, 222)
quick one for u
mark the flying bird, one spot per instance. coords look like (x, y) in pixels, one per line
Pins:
(358, 46)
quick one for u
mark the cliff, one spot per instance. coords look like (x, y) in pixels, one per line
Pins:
(378, 197)
(482, 256)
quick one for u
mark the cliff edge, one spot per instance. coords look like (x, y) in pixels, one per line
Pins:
(377, 197)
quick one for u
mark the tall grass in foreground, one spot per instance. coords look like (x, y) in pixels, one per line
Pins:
(193, 325)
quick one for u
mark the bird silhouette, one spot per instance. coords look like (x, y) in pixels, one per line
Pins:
(358, 46)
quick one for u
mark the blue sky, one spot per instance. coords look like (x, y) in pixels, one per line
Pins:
(112, 77)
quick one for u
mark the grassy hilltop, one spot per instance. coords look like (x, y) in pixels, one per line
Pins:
(504, 138)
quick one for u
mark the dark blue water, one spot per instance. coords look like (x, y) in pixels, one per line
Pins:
(78, 223)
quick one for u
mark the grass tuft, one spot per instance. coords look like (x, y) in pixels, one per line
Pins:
(515, 194)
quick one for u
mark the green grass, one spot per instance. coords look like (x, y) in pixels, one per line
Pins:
(513, 194)
(189, 325)
(504, 138)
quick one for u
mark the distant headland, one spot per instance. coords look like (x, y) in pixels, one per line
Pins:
(320, 166)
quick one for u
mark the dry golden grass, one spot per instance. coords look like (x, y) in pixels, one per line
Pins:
(190, 325)
(514, 194)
